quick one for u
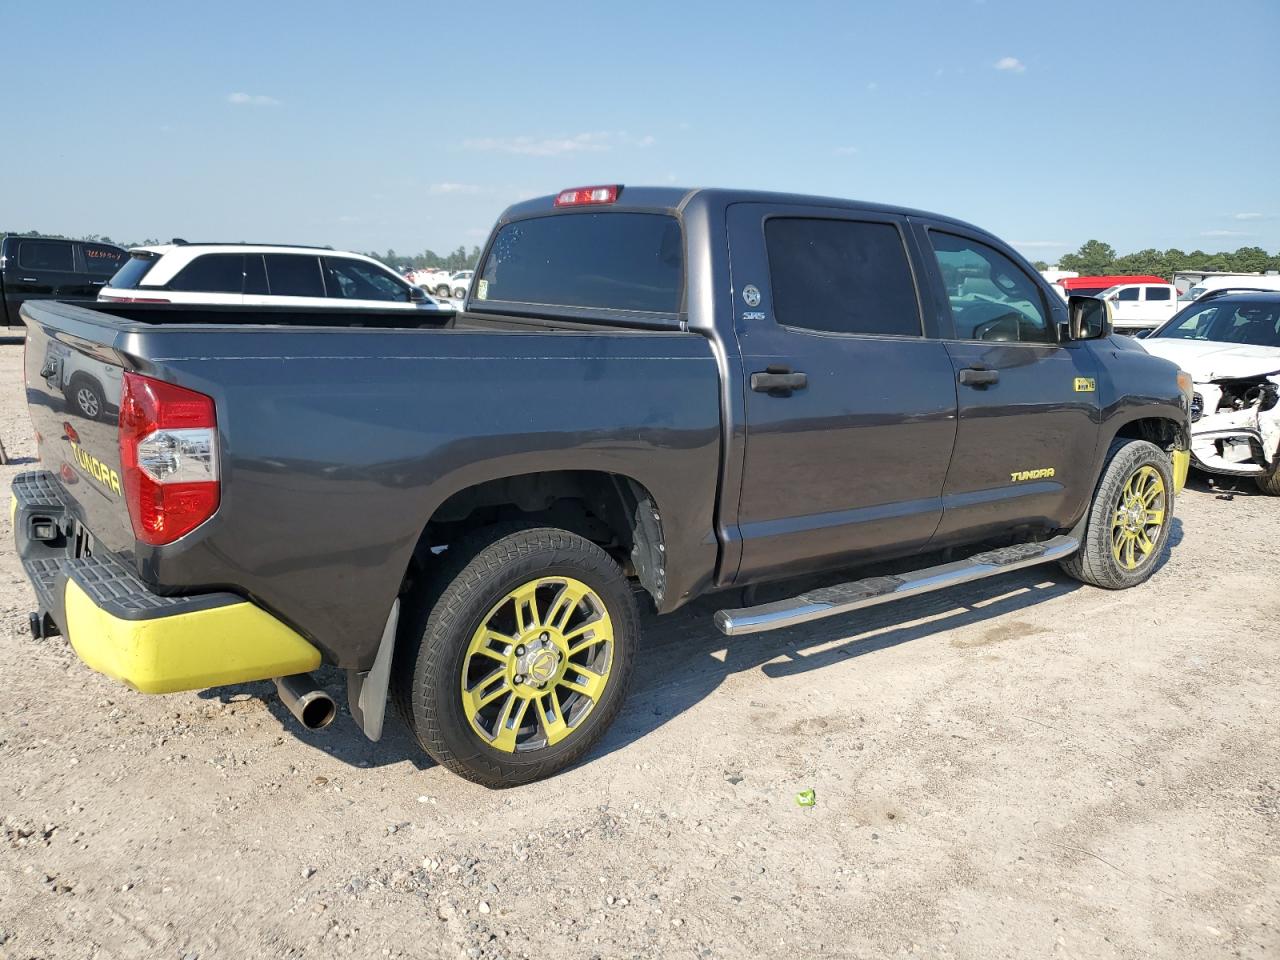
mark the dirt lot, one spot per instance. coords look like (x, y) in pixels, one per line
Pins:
(1023, 767)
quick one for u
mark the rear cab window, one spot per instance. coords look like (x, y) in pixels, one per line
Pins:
(630, 262)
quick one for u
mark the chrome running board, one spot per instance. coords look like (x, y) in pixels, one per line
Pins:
(845, 597)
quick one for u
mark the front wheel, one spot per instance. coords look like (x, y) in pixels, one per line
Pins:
(1269, 482)
(525, 658)
(1129, 519)
(459, 293)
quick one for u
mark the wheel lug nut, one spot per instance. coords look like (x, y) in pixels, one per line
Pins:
(520, 651)
(519, 678)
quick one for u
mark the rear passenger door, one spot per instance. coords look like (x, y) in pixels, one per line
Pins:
(1159, 303)
(1028, 407)
(850, 401)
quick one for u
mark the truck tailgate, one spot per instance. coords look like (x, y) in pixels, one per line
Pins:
(73, 383)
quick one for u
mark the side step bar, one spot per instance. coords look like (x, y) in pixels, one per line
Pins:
(845, 597)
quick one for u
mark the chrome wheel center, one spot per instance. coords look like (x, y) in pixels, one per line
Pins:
(539, 662)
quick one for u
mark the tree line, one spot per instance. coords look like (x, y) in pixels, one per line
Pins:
(1095, 258)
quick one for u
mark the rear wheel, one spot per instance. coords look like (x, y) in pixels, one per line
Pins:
(442, 290)
(1129, 520)
(525, 657)
(459, 293)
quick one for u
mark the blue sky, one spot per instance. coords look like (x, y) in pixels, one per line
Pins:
(411, 125)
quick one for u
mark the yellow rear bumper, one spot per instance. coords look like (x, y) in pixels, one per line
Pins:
(1181, 464)
(191, 650)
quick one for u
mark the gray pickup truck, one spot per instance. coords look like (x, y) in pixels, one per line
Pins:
(649, 393)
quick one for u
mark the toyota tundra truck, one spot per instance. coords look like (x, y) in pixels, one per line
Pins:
(647, 395)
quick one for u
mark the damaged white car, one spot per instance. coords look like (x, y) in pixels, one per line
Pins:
(1230, 344)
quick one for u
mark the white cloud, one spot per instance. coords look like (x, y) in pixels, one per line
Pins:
(1247, 216)
(1012, 64)
(253, 100)
(460, 188)
(845, 151)
(598, 142)
(1226, 233)
(1039, 244)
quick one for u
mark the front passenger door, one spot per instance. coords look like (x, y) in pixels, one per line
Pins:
(1028, 411)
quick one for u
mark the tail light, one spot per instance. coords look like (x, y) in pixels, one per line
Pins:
(169, 456)
(583, 196)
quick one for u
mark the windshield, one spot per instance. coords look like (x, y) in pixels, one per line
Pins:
(1256, 323)
(1195, 293)
(1087, 291)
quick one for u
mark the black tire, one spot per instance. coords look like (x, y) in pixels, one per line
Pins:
(459, 293)
(442, 290)
(85, 396)
(1095, 562)
(478, 573)
(1269, 482)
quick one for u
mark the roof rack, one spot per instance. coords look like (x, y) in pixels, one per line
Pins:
(248, 243)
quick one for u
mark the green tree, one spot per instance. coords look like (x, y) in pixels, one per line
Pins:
(1094, 257)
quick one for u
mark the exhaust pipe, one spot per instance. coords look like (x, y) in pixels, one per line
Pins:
(313, 707)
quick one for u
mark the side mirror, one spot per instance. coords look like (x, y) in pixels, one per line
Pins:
(1142, 334)
(418, 295)
(1088, 318)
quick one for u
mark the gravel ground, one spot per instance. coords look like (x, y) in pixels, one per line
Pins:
(1022, 767)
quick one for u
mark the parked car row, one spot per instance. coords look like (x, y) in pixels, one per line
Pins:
(49, 268)
(442, 283)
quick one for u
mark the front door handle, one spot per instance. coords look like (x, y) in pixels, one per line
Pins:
(778, 381)
(978, 377)
(29, 279)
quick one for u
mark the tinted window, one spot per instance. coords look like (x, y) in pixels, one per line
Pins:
(841, 276)
(255, 275)
(991, 297)
(294, 275)
(1086, 291)
(1128, 293)
(130, 275)
(103, 261)
(45, 255)
(1160, 293)
(211, 273)
(357, 280)
(622, 261)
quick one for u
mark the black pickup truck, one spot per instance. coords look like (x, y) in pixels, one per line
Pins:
(691, 390)
(51, 268)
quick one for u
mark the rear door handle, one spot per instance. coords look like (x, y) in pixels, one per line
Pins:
(779, 381)
(29, 279)
(978, 377)
(97, 283)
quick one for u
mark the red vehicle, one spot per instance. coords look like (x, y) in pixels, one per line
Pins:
(1092, 286)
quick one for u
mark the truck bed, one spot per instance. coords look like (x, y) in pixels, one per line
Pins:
(338, 442)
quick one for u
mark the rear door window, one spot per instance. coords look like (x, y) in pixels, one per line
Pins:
(46, 255)
(613, 261)
(348, 279)
(211, 273)
(101, 260)
(294, 275)
(841, 276)
(1159, 293)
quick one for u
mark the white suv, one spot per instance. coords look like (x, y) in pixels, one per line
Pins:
(1140, 306)
(261, 275)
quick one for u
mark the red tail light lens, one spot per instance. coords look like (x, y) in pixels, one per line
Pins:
(582, 196)
(169, 455)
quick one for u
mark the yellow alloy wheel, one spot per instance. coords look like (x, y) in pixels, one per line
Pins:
(1138, 518)
(538, 664)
